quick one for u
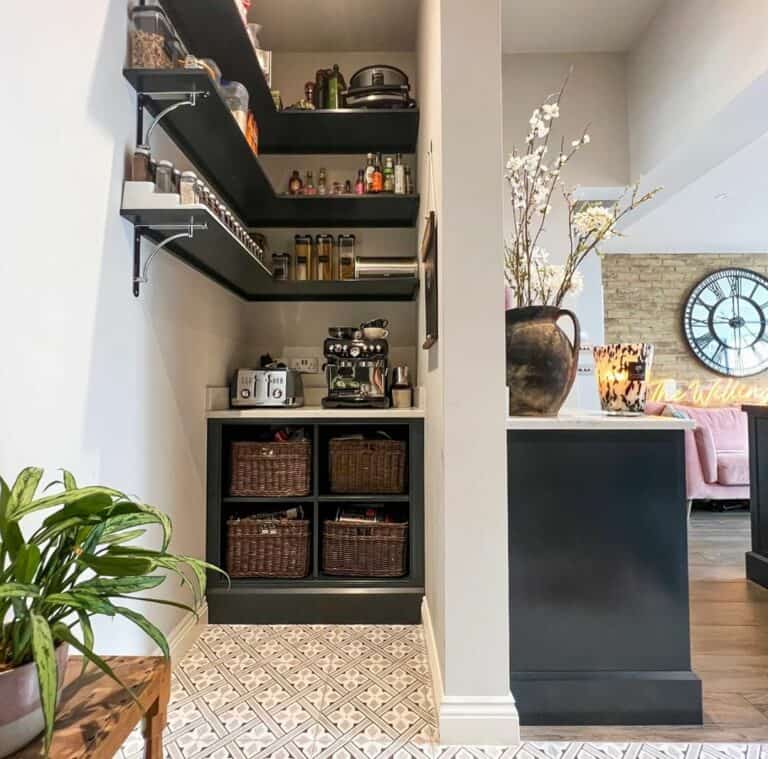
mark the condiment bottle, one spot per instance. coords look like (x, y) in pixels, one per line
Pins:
(309, 92)
(295, 184)
(322, 188)
(347, 187)
(369, 168)
(388, 175)
(141, 170)
(334, 87)
(377, 180)
(309, 185)
(360, 183)
(399, 175)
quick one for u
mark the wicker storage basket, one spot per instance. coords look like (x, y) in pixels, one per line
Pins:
(271, 469)
(265, 548)
(355, 549)
(367, 466)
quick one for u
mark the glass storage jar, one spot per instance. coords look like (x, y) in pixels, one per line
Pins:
(281, 266)
(346, 257)
(188, 188)
(153, 44)
(164, 177)
(302, 248)
(236, 97)
(324, 254)
(141, 169)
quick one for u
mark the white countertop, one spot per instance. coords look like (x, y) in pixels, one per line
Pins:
(597, 420)
(314, 412)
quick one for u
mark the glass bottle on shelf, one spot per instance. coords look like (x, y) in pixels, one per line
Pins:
(399, 175)
(309, 185)
(369, 168)
(295, 184)
(322, 187)
(334, 88)
(360, 183)
(408, 181)
(377, 181)
(389, 175)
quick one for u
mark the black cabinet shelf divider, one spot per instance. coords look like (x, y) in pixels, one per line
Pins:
(318, 598)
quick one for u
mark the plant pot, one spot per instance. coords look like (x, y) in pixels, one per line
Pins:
(21, 716)
(541, 360)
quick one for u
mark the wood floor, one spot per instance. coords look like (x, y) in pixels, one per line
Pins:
(729, 631)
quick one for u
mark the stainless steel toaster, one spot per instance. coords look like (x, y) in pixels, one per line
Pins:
(266, 387)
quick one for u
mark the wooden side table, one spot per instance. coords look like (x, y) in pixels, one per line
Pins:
(96, 715)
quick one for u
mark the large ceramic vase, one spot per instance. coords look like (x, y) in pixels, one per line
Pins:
(21, 716)
(541, 360)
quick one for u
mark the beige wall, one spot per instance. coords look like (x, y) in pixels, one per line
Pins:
(596, 96)
(644, 300)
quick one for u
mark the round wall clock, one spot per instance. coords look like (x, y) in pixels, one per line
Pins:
(725, 320)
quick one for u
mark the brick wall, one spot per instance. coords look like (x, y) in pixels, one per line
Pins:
(644, 297)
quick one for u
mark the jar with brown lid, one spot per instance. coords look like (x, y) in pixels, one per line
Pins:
(141, 169)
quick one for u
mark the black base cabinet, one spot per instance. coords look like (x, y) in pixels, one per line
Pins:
(757, 559)
(598, 578)
(317, 598)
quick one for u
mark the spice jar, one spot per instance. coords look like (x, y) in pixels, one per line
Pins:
(164, 177)
(346, 256)
(281, 266)
(295, 185)
(324, 253)
(302, 248)
(152, 41)
(141, 169)
(188, 188)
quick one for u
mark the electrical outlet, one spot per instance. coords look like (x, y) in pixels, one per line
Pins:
(306, 364)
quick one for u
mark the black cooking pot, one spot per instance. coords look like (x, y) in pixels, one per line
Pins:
(379, 87)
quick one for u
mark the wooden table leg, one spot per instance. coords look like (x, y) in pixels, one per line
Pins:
(154, 724)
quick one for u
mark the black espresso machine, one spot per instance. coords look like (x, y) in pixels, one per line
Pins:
(355, 369)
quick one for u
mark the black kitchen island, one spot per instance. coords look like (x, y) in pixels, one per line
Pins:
(757, 558)
(598, 573)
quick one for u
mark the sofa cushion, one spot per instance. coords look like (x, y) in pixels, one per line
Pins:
(732, 468)
(717, 429)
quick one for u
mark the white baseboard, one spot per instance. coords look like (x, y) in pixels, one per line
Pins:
(468, 720)
(186, 632)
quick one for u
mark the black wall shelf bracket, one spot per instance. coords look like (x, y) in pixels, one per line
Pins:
(181, 99)
(182, 231)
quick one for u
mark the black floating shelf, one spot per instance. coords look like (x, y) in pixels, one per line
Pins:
(213, 251)
(345, 131)
(211, 139)
(219, 255)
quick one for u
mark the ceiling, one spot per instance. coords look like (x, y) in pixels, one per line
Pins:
(575, 26)
(337, 25)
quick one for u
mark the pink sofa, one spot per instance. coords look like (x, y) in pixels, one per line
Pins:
(716, 451)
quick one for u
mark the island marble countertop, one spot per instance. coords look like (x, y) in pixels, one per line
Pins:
(597, 420)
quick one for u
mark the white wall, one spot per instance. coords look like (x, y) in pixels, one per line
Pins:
(464, 373)
(596, 96)
(693, 59)
(92, 379)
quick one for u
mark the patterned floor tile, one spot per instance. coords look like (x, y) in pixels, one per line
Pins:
(339, 692)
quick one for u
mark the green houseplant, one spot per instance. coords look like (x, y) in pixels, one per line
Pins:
(78, 563)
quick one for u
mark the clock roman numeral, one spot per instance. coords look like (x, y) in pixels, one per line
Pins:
(704, 340)
(735, 284)
(716, 289)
